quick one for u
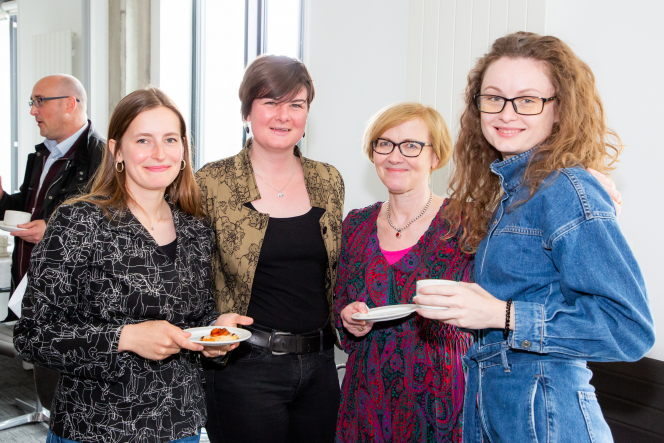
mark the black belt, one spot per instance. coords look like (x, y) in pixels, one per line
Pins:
(286, 343)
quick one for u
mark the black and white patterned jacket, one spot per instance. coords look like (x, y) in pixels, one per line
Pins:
(88, 277)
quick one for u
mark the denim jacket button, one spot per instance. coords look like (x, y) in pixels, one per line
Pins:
(525, 344)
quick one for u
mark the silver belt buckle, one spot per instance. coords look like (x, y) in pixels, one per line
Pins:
(271, 344)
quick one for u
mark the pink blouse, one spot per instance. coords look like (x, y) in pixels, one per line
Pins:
(394, 256)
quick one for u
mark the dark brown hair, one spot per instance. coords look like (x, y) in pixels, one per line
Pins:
(579, 138)
(109, 186)
(274, 76)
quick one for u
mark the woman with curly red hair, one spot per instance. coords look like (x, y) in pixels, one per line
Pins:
(556, 282)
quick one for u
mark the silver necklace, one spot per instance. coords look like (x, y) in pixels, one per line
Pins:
(410, 222)
(279, 191)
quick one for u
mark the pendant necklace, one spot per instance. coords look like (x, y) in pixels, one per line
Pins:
(279, 191)
(409, 223)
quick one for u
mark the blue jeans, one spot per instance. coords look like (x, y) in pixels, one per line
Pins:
(52, 438)
(261, 397)
(518, 398)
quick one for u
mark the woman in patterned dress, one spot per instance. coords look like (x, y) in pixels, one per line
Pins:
(404, 379)
(119, 274)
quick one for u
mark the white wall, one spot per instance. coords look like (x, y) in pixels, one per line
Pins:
(356, 52)
(623, 46)
(37, 17)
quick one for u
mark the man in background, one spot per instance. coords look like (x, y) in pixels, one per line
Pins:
(59, 168)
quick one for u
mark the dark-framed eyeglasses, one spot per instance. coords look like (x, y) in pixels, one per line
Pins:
(39, 102)
(525, 105)
(409, 148)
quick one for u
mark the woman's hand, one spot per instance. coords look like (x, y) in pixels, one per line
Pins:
(155, 340)
(470, 306)
(231, 320)
(610, 187)
(358, 328)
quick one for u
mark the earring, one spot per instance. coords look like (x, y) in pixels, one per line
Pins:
(303, 134)
(116, 166)
(246, 127)
(184, 165)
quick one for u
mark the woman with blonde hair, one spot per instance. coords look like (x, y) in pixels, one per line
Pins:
(119, 274)
(404, 378)
(556, 282)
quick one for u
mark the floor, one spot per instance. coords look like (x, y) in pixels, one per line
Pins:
(15, 382)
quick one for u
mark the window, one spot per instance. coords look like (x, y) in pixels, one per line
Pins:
(232, 34)
(8, 108)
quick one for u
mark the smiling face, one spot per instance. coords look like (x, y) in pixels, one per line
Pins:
(278, 125)
(404, 174)
(509, 132)
(151, 150)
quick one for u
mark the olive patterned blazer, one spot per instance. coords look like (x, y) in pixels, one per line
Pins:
(226, 185)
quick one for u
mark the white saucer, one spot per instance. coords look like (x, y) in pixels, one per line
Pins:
(432, 308)
(386, 313)
(10, 228)
(198, 333)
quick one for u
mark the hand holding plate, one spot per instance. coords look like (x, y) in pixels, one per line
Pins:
(155, 340)
(470, 306)
(358, 328)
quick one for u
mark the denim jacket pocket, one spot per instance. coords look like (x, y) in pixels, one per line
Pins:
(598, 430)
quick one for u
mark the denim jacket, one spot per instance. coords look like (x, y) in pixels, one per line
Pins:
(577, 289)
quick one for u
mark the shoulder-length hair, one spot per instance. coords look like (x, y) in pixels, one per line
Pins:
(579, 138)
(109, 187)
(396, 114)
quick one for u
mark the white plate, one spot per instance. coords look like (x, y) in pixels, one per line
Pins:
(198, 333)
(4, 227)
(432, 308)
(386, 313)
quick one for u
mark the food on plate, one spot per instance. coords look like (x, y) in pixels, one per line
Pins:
(220, 334)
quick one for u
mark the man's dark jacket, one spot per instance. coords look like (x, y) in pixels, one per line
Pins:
(72, 179)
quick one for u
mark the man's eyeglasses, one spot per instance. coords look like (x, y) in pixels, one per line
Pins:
(494, 104)
(39, 102)
(408, 148)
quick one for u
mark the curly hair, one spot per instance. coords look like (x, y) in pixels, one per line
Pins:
(579, 138)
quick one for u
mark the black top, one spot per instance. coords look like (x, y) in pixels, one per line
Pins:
(170, 249)
(79, 297)
(288, 291)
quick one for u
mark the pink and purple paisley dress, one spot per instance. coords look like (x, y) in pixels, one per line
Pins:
(404, 380)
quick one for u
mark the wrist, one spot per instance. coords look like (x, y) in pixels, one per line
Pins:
(124, 343)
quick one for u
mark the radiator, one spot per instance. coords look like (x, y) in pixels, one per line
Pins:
(52, 54)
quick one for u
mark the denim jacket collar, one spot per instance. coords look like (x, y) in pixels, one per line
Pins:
(512, 170)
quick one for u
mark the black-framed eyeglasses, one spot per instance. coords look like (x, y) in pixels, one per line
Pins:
(39, 102)
(409, 148)
(525, 105)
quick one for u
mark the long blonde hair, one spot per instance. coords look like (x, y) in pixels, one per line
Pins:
(109, 187)
(579, 138)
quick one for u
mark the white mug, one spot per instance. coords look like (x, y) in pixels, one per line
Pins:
(13, 218)
(433, 282)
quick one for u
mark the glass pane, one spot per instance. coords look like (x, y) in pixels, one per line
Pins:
(283, 27)
(5, 120)
(175, 53)
(223, 57)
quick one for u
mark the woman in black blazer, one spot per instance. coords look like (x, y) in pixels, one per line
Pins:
(118, 276)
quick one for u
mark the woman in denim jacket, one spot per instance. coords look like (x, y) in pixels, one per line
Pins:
(556, 282)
